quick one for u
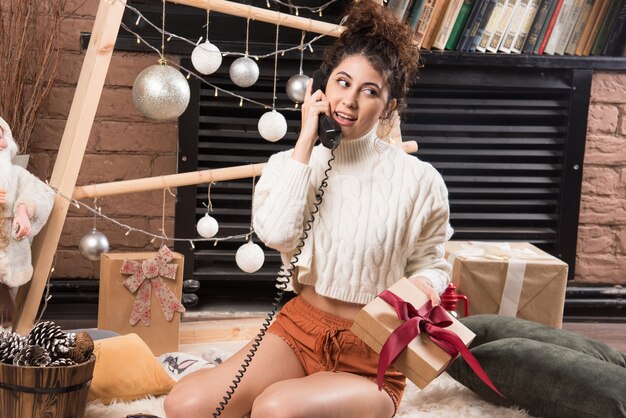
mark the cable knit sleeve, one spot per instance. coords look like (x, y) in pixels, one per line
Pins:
(280, 200)
(427, 259)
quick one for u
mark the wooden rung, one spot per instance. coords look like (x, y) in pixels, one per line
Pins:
(265, 15)
(184, 179)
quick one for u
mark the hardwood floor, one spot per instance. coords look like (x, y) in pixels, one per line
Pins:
(231, 333)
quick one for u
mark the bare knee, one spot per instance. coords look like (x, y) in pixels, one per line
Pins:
(274, 402)
(179, 405)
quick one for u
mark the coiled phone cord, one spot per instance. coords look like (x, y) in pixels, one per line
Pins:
(281, 284)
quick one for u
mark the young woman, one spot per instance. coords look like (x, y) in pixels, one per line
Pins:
(383, 216)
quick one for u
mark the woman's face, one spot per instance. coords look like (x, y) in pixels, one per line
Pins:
(358, 96)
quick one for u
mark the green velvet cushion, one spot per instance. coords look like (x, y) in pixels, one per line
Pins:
(548, 372)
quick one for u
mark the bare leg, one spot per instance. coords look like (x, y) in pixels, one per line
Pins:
(324, 394)
(198, 394)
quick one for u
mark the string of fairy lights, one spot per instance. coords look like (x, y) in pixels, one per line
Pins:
(161, 92)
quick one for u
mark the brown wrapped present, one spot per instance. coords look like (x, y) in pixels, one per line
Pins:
(422, 360)
(140, 293)
(510, 279)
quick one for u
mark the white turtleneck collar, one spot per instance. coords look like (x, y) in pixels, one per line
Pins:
(360, 150)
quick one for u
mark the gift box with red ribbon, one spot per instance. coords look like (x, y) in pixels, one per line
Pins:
(418, 339)
(140, 293)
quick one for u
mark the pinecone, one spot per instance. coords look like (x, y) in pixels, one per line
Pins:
(10, 344)
(51, 338)
(32, 355)
(62, 362)
(82, 349)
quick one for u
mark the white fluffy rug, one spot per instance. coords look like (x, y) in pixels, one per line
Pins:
(444, 397)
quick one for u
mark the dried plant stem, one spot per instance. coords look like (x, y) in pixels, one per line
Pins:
(29, 58)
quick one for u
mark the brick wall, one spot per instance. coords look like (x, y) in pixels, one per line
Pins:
(601, 254)
(124, 145)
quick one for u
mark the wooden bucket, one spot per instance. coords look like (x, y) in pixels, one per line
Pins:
(45, 392)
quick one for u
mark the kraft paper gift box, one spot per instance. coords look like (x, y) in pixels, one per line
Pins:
(510, 279)
(422, 360)
(116, 301)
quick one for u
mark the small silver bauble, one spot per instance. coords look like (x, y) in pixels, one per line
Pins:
(244, 72)
(92, 244)
(296, 87)
(161, 92)
(206, 58)
(207, 227)
(272, 126)
(250, 257)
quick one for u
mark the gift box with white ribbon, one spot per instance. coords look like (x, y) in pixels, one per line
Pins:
(510, 279)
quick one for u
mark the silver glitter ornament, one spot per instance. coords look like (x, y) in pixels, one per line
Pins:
(272, 126)
(250, 257)
(244, 72)
(92, 244)
(206, 58)
(161, 92)
(296, 87)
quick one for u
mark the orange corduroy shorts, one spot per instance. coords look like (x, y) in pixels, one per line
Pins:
(324, 342)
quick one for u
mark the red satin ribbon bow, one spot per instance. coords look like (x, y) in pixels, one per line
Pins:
(145, 275)
(432, 321)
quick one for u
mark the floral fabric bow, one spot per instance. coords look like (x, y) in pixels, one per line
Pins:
(145, 275)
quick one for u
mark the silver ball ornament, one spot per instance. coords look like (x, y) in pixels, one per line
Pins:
(92, 244)
(272, 126)
(244, 72)
(250, 257)
(207, 226)
(161, 92)
(206, 58)
(296, 87)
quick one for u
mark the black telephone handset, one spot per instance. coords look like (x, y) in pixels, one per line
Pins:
(329, 131)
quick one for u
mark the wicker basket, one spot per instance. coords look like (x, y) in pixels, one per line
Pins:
(45, 392)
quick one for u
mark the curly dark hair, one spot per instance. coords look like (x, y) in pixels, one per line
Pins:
(374, 32)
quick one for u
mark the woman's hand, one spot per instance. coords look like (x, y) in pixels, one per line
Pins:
(314, 104)
(21, 222)
(423, 284)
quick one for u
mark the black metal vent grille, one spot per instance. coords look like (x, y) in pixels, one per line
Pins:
(500, 140)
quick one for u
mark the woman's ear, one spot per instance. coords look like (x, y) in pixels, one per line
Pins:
(391, 106)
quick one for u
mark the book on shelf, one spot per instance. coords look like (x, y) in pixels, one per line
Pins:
(459, 24)
(538, 22)
(514, 26)
(424, 21)
(472, 24)
(543, 37)
(617, 37)
(596, 27)
(482, 25)
(606, 27)
(522, 35)
(398, 7)
(563, 16)
(577, 32)
(595, 11)
(503, 24)
(415, 10)
(433, 28)
(568, 27)
(492, 22)
(449, 18)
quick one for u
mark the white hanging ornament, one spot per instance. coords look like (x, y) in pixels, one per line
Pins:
(206, 58)
(244, 72)
(296, 87)
(250, 257)
(207, 226)
(92, 244)
(272, 126)
(161, 92)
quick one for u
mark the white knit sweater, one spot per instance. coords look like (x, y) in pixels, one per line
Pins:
(384, 215)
